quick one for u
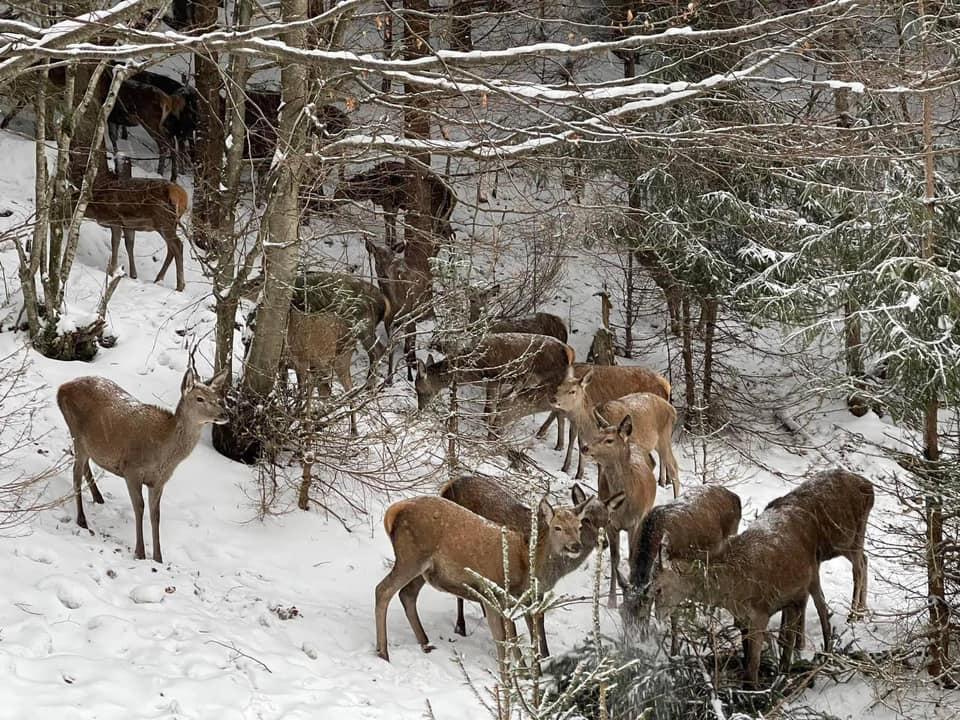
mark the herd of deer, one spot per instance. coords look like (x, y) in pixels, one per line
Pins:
(618, 416)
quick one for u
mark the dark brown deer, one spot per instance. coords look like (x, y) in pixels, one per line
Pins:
(149, 107)
(390, 185)
(485, 497)
(127, 205)
(770, 567)
(692, 527)
(532, 364)
(438, 542)
(181, 127)
(141, 443)
(626, 486)
(838, 503)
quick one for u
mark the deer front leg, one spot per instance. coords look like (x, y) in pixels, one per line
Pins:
(174, 253)
(114, 249)
(129, 235)
(154, 494)
(135, 488)
(79, 463)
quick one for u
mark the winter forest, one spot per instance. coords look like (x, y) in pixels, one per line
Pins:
(506, 359)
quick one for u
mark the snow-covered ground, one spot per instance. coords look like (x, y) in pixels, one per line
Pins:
(88, 632)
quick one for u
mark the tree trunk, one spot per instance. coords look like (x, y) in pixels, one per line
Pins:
(710, 309)
(628, 310)
(418, 233)
(689, 380)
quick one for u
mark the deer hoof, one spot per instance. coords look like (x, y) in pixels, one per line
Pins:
(383, 655)
(139, 555)
(427, 648)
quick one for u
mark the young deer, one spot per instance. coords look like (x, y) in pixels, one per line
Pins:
(436, 541)
(626, 486)
(768, 568)
(692, 527)
(142, 104)
(389, 186)
(140, 204)
(532, 364)
(590, 387)
(485, 497)
(141, 443)
(839, 504)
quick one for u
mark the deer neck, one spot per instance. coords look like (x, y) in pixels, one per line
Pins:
(183, 435)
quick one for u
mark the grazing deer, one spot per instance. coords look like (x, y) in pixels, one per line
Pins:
(540, 323)
(149, 107)
(626, 486)
(438, 542)
(389, 185)
(770, 567)
(127, 205)
(181, 127)
(530, 364)
(485, 497)
(839, 504)
(141, 443)
(609, 390)
(691, 527)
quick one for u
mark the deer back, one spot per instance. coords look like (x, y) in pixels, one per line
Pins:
(137, 203)
(652, 417)
(315, 340)
(538, 323)
(535, 359)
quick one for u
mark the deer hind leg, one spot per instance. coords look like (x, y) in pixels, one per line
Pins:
(154, 494)
(613, 537)
(858, 559)
(129, 236)
(408, 598)
(503, 631)
(341, 366)
(823, 612)
(94, 490)
(397, 579)
(115, 233)
(752, 649)
(135, 488)
(80, 464)
(460, 628)
(174, 253)
(669, 470)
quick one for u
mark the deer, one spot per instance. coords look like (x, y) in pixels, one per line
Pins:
(626, 486)
(606, 383)
(770, 567)
(694, 526)
(141, 443)
(580, 399)
(439, 542)
(180, 127)
(485, 497)
(388, 185)
(531, 364)
(838, 503)
(127, 205)
(145, 105)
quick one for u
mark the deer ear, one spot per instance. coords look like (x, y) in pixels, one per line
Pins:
(626, 427)
(421, 368)
(545, 510)
(570, 375)
(614, 503)
(577, 494)
(430, 360)
(219, 379)
(587, 379)
(189, 380)
(601, 422)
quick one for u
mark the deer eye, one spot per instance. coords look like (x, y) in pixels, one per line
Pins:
(200, 399)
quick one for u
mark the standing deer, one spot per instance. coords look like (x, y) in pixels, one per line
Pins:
(626, 486)
(128, 205)
(389, 185)
(438, 542)
(530, 364)
(770, 567)
(838, 503)
(141, 443)
(145, 105)
(485, 497)
(181, 127)
(692, 527)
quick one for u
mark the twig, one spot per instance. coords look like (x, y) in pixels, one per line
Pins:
(240, 653)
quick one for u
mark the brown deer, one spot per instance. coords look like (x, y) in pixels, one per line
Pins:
(149, 107)
(626, 486)
(532, 364)
(770, 567)
(654, 417)
(389, 185)
(839, 504)
(438, 542)
(692, 527)
(141, 443)
(607, 382)
(128, 205)
(485, 497)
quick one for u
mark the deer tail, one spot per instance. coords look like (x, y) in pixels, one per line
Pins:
(178, 198)
(390, 518)
(665, 384)
(571, 354)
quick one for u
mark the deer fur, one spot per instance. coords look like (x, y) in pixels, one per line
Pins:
(127, 205)
(538, 324)
(692, 527)
(838, 503)
(141, 443)
(626, 486)
(529, 364)
(589, 387)
(181, 127)
(143, 104)
(770, 567)
(388, 185)
(436, 541)
(487, 498)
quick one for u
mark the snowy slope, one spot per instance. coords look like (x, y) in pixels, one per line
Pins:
(88, 632)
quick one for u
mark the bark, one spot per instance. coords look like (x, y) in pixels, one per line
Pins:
(628, 310)
(689, 380)
(710, 308)
(418, 235)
